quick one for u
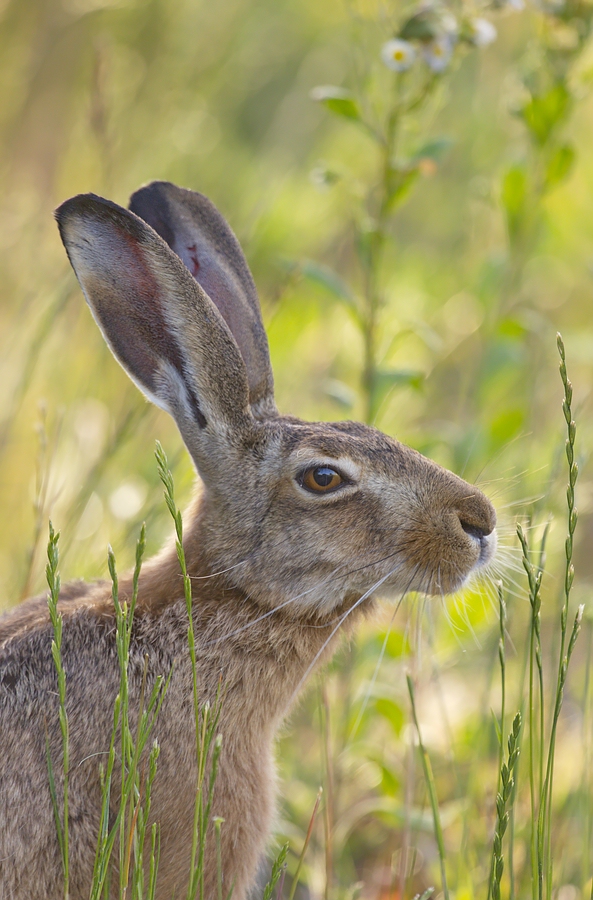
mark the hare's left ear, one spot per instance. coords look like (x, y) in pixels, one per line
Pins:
(195, 230)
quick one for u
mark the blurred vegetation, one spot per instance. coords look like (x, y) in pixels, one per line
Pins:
(477, 239)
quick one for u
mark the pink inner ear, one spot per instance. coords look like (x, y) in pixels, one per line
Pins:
(207, 271)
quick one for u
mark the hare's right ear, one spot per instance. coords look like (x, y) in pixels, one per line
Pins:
(196, 231)
(160, 324)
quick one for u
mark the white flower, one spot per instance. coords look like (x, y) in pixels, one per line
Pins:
(450, 25)
(482, 32)
(437, 53)
(398, 55)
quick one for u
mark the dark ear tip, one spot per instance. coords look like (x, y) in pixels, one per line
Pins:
(156, 185)
(92, 208)
(79, 204)
(154, 190)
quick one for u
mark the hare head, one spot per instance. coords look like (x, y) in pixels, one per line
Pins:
(297, 513)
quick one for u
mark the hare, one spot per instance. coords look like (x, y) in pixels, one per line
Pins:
(296, 526)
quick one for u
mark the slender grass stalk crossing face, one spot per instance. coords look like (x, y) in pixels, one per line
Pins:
(298, 525)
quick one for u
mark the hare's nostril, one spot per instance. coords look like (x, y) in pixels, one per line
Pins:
(475, 531)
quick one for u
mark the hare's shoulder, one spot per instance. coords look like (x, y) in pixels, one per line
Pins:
(89, 652)
(28, 679)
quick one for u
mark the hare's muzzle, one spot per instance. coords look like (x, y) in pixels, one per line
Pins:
(469, 539)
(451, 531)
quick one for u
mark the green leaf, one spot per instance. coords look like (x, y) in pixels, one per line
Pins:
(496, 726)
(337, 100)
(403, 174)
(559, 165)
(514, 190)
(395, 816)
(512, 329)
(384, 380)
(322, 176)
(390, 784)
(277, 869)
(544, 112)
(401, 180)
(328, 279)
(392, 712)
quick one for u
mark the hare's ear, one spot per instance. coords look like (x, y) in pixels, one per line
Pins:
(159, 323)
(192, 226)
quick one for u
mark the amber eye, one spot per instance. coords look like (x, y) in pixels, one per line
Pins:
(321, 479)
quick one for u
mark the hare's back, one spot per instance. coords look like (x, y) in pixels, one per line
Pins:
(33, 613)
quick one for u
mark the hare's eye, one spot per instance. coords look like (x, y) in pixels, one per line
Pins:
(321, 479)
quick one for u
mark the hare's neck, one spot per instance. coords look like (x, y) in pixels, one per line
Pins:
(264, 658)
(263, 655)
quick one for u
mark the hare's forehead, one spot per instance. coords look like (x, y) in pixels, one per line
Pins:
(356, 447)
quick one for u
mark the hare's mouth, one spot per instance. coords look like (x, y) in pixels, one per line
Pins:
(487, 544)
(452, 573)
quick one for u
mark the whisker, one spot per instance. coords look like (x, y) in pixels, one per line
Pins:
(222, 571)
(373, 680)
(316, 587)
(341, 621)
(502, 450)
(270, 612)
(380, 659)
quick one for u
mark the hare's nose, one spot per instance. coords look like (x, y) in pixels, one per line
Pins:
(477, 531)
(476, 515)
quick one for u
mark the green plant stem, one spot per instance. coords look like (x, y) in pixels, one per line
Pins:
(502, 616)
(53, 580)
(534, 577)
(563, 659)
(430, 783)
(586, 771)
(218, 821)
(295, 880)
(205, 719)
(278, 869)
(503, 800)
(377, 239)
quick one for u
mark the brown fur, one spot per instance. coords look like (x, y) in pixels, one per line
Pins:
(277, 570)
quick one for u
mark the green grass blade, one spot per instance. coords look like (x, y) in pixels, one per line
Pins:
(432, 793)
